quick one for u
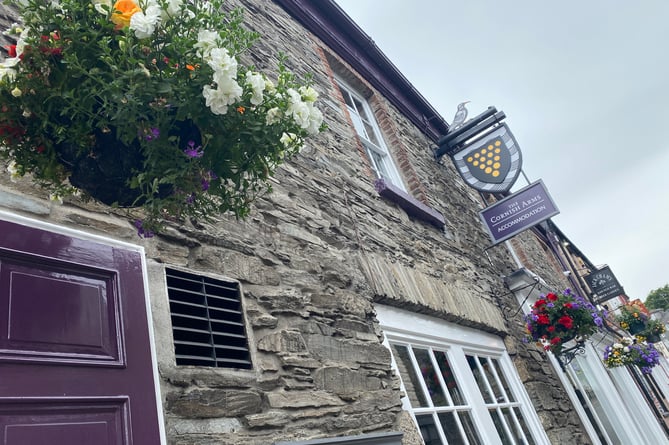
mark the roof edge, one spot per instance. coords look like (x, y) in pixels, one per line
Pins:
(327, 21)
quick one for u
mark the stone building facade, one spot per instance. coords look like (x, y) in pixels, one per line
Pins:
(319, 256)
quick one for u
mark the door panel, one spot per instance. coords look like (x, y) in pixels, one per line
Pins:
(75, 355)
(82, 324)
(46, 422)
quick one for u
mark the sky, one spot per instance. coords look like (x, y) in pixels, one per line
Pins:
(585, 88)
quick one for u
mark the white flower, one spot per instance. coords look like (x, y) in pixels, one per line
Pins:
(273, 116)
(56, 198)
(315, 119)
(222, 64)
(218, 99)
(99, 4)
(288, 139)
(13, 170)
(298, 109)
(308, 94)
(617, 346)
(206, 41)
(16, 92)
(144, 23)
(174, 7)
(269, 85)
(257, 84)
(626, 349)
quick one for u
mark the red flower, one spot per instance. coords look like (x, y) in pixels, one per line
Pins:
(540, 302)
(11, 50)
(568, 305)
(551, 328)
(543, 319)
(566, 321)
(551, 297)
(555, 340)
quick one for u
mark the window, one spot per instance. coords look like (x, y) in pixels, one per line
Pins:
(460, 385)
(207, 321)
(370, 135)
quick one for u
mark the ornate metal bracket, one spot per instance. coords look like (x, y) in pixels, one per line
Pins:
(567, 355)
(506, 308)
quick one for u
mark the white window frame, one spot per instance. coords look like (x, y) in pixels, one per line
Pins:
(402, 327)
(370, 135)
(621, 410)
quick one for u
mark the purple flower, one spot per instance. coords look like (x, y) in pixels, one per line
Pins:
(141, 232)
(151, 134)
(205, 184)
(192, 151)
(190, 199)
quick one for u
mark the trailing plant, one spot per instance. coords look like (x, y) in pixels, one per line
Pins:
(634, 318)
(146, 103)
(629, 351)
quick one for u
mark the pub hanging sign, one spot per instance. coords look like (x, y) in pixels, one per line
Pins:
(492, 163)
(604, 284)
(484, 152)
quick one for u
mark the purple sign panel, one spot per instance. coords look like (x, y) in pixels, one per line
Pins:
(520, 211)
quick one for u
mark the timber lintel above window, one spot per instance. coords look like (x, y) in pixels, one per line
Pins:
(409, 204)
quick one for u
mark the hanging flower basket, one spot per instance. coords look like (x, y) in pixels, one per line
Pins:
(634, 318)
(629, 351)
(556, 319)
(145, 103)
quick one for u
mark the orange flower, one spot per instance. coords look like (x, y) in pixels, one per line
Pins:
(241, 110)
(123, 10)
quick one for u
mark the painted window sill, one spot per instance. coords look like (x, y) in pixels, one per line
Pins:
(409, 204)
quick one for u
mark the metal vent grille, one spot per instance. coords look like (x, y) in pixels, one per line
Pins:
(207, 321)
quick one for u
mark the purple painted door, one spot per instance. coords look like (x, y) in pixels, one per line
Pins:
(75, 359)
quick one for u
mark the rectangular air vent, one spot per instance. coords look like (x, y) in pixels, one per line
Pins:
(207, 321)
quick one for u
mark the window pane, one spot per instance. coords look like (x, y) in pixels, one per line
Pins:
(523, 425)
(480, 379)
(430, 377)
(499, 426)
(489, 375)
(360, 108)
(357, 124)
(371, 135)
(502, 378)
(468, 426)
(409, 377)
(449, 378)
(513, 427)
(428, 430)
(451, 429)
(379, 165)
(347, 99)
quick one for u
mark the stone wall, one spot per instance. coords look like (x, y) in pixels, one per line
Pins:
(312, 258)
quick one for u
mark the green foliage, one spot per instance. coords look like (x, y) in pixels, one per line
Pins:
(634, 318)
(205, 133)
(658, 298)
